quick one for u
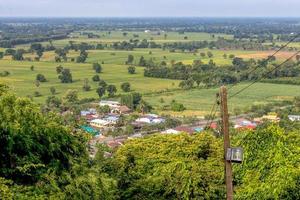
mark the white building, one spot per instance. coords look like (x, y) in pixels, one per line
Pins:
(171, 131)
(143, 120)
(150, 119)
(99, 123)
(111, 104)
(294, 117)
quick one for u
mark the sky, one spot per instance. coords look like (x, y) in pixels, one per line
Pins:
(149, 8)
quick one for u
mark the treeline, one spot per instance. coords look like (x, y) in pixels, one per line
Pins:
(221, 43)
(210, 74)
(10, 43)
(134, 44)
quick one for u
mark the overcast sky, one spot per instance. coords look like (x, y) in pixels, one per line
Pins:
(150, 8)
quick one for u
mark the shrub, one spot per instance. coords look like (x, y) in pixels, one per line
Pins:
(41, 78)
(177, 107)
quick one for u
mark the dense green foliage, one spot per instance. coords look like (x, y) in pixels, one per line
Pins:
(44, 158)
(171, 167)
(210, 74)
(271, 167)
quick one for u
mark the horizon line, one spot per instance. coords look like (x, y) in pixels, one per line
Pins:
(99, 17)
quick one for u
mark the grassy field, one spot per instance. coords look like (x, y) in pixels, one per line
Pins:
(199, 101)
(116, 36)
(22, 79)
(119, 57)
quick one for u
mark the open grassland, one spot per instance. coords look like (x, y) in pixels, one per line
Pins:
(158, 55)
(115, 36)
(199, 101)
(22, 79)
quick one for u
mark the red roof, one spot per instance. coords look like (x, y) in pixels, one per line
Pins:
(214, 125)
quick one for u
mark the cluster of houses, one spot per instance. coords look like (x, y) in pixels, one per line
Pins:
(107, 121)
(149, 119)
(98, 124)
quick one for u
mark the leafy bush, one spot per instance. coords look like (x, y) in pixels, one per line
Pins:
(41, 78)
(177, 107)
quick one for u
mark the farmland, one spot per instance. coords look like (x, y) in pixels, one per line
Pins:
(119, 56)
(116, 36)
(22, 79)
(197, 101)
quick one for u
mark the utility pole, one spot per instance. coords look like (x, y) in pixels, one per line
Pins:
(225, 130)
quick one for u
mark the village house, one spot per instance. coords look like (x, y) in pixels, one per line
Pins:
(244, 124)
(100, 123)
(120, 110)
(170, 132)
(273, 117)
(110, 104)
(90, 111)
(294, 117)
(115, 107)
(150, 119)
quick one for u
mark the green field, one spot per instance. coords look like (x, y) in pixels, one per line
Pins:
(22, 79)
(116, 36)
(119, 57)
(197, 101)
(200, 101)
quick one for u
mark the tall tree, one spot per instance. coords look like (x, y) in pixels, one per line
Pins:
(101, 91)
(111, 89)
(65, 76)
(131, 69)
(125, 87)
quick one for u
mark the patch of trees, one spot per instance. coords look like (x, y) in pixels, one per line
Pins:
(204, 155)
(130, 59)
(82, 57)
(210, 74)
(177, 107)
(65, 75)
(18, 54)
(131, 70)
(4, 73)
(86, 86)
(97, 67)
(41, 78)
(125, 87)
(131, 100)
(96, 78)
(10, 43)
(61, 54)
(125, 45)
(48, 159)
(220, 43)
(261, 157)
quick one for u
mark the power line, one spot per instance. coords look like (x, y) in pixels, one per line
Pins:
(210, 116)
(213, 111)
(270, 57)
(243, 89)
